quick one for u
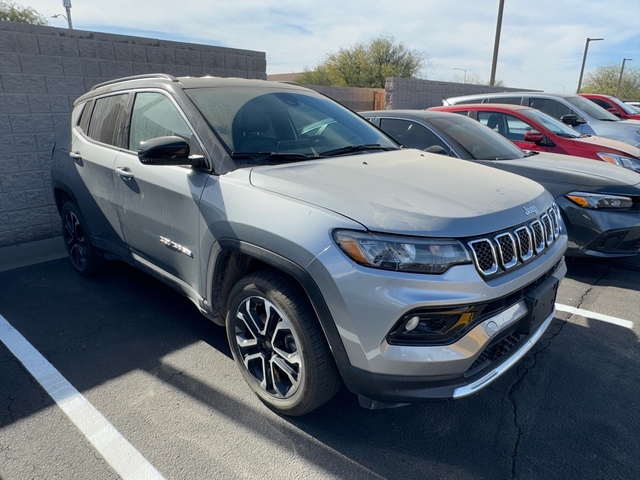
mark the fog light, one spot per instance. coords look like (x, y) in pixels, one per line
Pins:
(412, 323)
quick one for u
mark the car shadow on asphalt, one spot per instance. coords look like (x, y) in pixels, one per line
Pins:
(556, 404)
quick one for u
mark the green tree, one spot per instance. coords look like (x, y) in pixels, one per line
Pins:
(367, 65)
(12, 12)
(605, 79)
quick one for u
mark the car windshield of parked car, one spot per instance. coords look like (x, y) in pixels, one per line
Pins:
(260, 125)
(556, 126)
(479, 141)
(591, 109)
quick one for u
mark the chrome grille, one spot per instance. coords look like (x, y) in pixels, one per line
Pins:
(508, 249)
(525, 243)
(548, 229)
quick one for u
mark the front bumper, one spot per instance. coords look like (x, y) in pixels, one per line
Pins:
(365, 304)
(600, 233)
(498, 354)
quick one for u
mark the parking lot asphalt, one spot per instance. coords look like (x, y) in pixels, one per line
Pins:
(161, 377)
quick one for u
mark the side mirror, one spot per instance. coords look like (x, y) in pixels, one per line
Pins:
(436, 149)
(572, 120)
(164, 151)
(614, 111)
(533, 136)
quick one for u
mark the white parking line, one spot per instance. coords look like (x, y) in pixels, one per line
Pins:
(116, 450)
(594, 315)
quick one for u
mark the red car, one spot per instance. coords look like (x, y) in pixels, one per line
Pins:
(613, 105)
(532, 129)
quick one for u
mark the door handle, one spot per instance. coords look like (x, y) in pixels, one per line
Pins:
(125, 173)
(77, 157)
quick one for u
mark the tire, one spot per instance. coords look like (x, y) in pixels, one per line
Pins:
(82, 254)
(278, 345)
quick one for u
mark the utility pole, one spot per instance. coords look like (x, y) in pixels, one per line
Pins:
(492, 80)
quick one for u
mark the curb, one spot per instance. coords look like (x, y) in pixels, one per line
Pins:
(22, 255)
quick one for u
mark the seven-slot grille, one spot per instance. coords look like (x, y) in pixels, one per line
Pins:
(505, 250)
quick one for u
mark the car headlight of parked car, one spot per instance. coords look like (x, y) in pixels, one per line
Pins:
(621, 161)
(401, 253)
(596, 200)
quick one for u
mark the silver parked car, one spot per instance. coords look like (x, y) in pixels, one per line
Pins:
(331, 254)
(582, 114)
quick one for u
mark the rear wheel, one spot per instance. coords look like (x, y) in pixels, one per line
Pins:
(82, 254)
(278, 345)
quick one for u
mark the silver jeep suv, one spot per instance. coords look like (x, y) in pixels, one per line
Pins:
(330, 254)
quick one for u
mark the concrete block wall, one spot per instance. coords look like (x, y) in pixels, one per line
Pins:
(42, 71)
(357, 99)
(409, 93)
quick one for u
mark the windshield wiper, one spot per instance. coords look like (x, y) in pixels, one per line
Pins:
(530, 153)
(272, 156)
(354, 149)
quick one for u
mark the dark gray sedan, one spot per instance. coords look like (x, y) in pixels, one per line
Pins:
(599, 203)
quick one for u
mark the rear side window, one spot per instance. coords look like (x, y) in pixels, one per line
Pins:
(107, 121)
(506, 125)
(411, 134)
(550, 107)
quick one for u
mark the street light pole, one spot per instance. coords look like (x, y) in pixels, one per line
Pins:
(584, 59)
(492, 80)
(621, 72)
(465, 74)
(67, 5)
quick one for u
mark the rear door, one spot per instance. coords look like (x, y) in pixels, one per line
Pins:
(95, 142)
(159, 205)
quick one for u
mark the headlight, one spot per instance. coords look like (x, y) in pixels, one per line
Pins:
(595, 200)
(621, 161)
(401, 253)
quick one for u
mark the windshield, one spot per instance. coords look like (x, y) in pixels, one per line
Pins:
(479, 141)
(278, 124)
(591, 109)
(556, 126)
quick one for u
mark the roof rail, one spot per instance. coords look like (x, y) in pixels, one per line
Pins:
(165, 76)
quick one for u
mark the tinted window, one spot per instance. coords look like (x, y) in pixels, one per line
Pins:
(154, 115)
(107, 121)
(411, 134)
(600, 102)
(551, 107)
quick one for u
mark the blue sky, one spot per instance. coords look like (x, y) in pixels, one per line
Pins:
(542, 42)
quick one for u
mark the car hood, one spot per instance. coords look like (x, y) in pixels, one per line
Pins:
(608, 145)
(627, 131)
(561, 174)
(409, 192)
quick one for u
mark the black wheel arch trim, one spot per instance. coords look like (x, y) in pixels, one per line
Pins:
(291, 269)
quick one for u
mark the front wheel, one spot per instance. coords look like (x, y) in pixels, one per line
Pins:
(278, 345)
